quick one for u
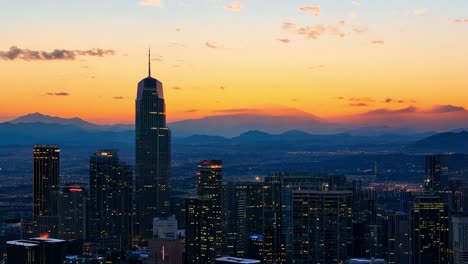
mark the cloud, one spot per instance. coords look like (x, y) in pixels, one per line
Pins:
(312, 32)
(359, 29)
(150, 2)
(288, 25)
(359, 104)
(361, 99)
(191, 111)
(176, 87)
(58, 94)
(461, 21)
(409, 109)
(118, 97)
(315, 10)
(340, 98)
(213, 45)
(221, 87)
(234, 6)
(15, 53)
(377, 42)
(356, 3)
(284, 40)
(420, 11)
(178, 29)
(315, 67)
(388, 100)
(447, 109)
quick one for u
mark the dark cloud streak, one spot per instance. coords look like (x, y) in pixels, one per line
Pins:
(15, 53)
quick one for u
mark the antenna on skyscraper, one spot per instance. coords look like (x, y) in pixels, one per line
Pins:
(149, 62)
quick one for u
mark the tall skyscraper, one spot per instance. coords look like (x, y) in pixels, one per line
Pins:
(398, 239)
(209, 191)
(153, 157)
(73, 212)
(429, 229)
(322, 226)
(193, 231)
(46, 190)
(110, 207)
(435, 173)
(242, 216)
(36, 251)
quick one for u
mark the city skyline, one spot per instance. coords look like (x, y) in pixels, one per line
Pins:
(335, 59)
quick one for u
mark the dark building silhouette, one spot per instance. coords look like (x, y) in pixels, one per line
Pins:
(73, 212)
(429, 229)
(36, 251)
(322, 226)
(110, 207)
(398, 239)
(242, 216)
(193, 231)
(274, 250)
(153, 157)
(435, 174)
(46, 190)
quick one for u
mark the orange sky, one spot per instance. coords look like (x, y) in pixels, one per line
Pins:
(215, 55)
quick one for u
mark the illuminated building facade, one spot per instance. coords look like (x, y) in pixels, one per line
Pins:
(322, 226)
(193, 231)
(429, 229)
(110, 208)
(209, 191)
(46, 190)
(153, 157)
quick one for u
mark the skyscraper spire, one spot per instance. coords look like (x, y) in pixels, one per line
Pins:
(149, 62)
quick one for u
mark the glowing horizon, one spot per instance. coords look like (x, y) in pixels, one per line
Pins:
(334, 59)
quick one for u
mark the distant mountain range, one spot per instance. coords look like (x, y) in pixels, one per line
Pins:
(37, 128)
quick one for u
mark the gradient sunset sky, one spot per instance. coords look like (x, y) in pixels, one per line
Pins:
(332, 58)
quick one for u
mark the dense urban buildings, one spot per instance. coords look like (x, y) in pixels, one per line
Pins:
(36, 251)
(153, 157)
(110, 207)
(46, 188)
(73, 212)
(429, 229)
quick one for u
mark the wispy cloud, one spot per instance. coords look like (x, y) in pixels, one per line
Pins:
(409, 109)
(191, 111)
(118, 98)
(176, 88)
(359, 29)
(460, 21)
(377, 42)
(288, 25)
(284, 40)
(15, 53)
(447, 109)
(234, 6)
(213, 45)
(58, 94)
(356, 3)
(311, 32)
(150, 3)
(222, 87)
(314, 10)
(359, 104)
(235, 110)
(420, 11)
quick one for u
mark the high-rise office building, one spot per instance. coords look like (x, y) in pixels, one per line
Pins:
(243, 213)
(110, 207)
(153, 157)
(46, 190)
(193, 231)
(398, 239)
(435, 174)
(322, 226)
(429, 229)
(209, 191)
(460, 238)
(274, 250)
(73, 212)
